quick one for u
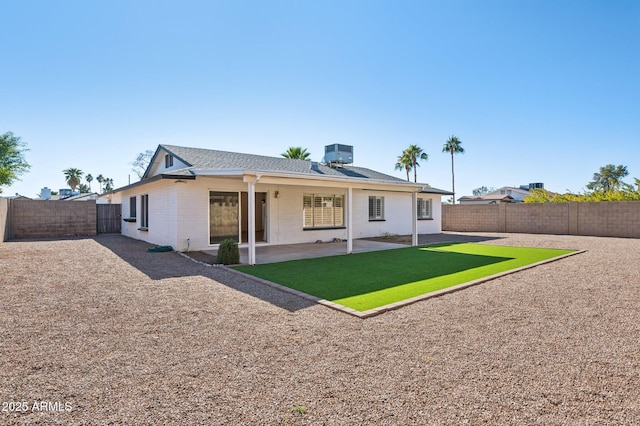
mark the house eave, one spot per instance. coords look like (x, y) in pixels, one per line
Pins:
(149, 180)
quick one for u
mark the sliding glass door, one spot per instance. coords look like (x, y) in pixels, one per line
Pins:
(224, 215)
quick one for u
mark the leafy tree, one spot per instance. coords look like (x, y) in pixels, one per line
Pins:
(609, 178)
(89, 179)
(453, 146)
(142, 162)
(84, 188)
(12, 162)
(404, 163)
(415, 154)
(483, 190)
(100, 179)
(297, 153)
(72, 177)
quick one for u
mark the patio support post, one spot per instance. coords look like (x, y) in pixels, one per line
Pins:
(414, 219)
(349, 220)
(251, 232)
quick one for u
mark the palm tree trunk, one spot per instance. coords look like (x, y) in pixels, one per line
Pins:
(453, 180)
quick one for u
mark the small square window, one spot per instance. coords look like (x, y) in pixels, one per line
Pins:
(376, 208)
(424, 208)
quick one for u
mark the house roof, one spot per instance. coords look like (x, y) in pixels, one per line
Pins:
(208, 162)
(485, 198)
(432, 190)
(201, 160)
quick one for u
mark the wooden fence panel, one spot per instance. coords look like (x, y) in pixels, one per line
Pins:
(109, 218)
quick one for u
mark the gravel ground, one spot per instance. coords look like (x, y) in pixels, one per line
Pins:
(103, 332)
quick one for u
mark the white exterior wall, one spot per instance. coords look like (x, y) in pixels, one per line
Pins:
(433, 225)
(287, 217)
(162, 212)
(179, 212)
(397, 214)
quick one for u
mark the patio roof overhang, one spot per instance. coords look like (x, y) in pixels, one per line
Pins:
(302, 179)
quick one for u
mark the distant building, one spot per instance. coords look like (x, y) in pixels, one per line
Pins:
(506, 194)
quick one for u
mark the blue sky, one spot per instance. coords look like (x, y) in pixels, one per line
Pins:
(537, 91)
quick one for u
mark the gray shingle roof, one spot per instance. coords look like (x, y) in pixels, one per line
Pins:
(200, 159)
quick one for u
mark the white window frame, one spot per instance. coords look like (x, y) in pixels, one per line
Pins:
(133, 208)
(323, 211)
(425, 208)
(144, 212)
(376, 208)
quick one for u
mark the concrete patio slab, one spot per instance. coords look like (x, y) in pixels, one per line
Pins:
(280, 253)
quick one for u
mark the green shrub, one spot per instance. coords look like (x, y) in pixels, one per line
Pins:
(228, 253)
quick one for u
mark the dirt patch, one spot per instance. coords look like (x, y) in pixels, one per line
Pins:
(201, 256)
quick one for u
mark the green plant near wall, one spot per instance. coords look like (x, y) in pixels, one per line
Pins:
(228, 253)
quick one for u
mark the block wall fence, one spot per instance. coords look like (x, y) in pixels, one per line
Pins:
(607, 219)
(48, 219)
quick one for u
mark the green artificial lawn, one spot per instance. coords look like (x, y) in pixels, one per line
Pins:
(369, 280)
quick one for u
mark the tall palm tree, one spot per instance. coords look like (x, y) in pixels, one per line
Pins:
(89, 178)
(73, 176)
(453, 146)
(100, 179)
(415, 154)
(297, 153)
(404, 163)
(108, 184)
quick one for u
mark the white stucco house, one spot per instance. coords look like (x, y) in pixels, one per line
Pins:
(193, 198)
(506, 194)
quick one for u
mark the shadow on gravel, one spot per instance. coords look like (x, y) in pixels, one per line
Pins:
(424, 239)
(163, 265)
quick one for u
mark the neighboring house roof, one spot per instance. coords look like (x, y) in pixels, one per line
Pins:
(83, 197)
(487, 199)
(511, 190)
(18, 197)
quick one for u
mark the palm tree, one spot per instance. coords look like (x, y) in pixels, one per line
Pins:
(415, 154)
(404, 163)
(100, 179)
(108, 184)
(72, 176)
(452, 145)
(89, 178)
(297, 152)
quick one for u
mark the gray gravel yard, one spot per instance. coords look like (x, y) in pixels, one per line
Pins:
(103, 332)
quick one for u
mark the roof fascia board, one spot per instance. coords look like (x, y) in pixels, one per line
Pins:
(342, 182)
(149, 180)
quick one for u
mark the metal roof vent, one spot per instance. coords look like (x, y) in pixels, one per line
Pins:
(338, 155)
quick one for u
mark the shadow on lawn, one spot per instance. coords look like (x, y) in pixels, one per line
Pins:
(163, 265)
(340, 277)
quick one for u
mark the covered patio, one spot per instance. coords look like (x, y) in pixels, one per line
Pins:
(267, 253)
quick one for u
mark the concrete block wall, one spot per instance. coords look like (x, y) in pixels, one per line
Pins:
(613, 219)
(48, 219)
(471, 218)
(550, 218)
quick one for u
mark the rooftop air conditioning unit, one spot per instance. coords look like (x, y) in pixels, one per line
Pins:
(337, 154)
